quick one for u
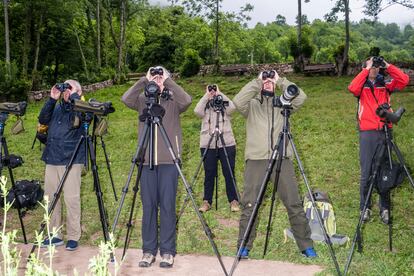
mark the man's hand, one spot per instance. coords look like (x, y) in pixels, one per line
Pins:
(55, 93)
(386, 64)
(369, 63)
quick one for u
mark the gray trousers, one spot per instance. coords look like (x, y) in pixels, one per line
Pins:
(158, 192)
(368, 143)
(287, 191)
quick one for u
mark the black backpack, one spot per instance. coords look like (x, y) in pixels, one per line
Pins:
(28, 193)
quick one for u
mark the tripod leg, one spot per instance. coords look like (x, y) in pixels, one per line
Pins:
(401, 160)
(357, 235)
(58, 192)
(233, 178)
(3, 146)
(256, 206)
(390, 228)
(193, 181)
(108, 166)
(98, 190)
(139, 154)
(190, 194)
(275, 184)
(216, 176)
(318, 215)
(131, 214)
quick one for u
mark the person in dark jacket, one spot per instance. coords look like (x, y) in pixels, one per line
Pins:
(159, 186)
(61, 143)
(372, 91)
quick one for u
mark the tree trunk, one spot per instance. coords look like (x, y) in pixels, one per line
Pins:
(300, 58)
(122, 36)
(343, 65)
(26, 41)
(98, 34)
(85, 66)
(37, 50)
(216, 52)
(56, 72)
(6, 35)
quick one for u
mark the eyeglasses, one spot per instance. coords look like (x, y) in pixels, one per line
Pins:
(156, 71)
(268, 74)
(212, 87)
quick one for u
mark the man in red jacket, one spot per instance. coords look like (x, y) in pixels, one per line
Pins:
(372, 91)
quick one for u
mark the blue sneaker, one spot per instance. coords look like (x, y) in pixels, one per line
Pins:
(71, 245)
(244, 253)
(309, 253)
(55, 242)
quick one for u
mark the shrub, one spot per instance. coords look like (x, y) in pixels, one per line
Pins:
(191, 64)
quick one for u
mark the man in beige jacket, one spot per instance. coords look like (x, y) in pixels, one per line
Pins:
(210, 114)
(264, 123)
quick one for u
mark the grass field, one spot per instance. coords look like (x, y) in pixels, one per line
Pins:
(327, 140)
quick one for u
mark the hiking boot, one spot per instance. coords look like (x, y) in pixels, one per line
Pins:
(71, 245)
(244, 253)
(167, 261)
(366, 216)
(205, 206)
(55, 242)
(147, 260)
(309, 253)
(234, 206)
(385, 216)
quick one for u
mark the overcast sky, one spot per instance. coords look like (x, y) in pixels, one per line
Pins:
(266, 10)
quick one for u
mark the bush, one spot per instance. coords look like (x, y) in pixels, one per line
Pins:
(11, 88)
(191, 64)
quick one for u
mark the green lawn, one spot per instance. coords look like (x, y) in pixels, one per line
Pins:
(327, 140)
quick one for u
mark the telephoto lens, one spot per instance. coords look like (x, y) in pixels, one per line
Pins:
(291, 92)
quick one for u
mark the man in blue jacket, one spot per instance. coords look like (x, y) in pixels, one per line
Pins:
(61, 143)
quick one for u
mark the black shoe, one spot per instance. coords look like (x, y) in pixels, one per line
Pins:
(385, 216)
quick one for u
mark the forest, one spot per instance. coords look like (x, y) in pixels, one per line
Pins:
(47, 41)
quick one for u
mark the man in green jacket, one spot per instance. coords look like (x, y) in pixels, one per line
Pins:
(255, 102)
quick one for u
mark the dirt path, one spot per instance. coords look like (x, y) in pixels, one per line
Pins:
(185, 265)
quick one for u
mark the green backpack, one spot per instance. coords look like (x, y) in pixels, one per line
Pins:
(327, 213)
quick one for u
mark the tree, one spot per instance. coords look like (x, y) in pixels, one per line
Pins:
(280, 20)
(299, 61)
(7, 34)
(373, 8)
(342, 60)
(119, 41)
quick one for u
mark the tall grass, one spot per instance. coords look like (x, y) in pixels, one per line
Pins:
(327, 140)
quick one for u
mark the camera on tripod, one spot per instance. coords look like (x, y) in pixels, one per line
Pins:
(93, 106)
(18, 109)
(217, 103)
(153, 92)
(291, 92)
(383, 111)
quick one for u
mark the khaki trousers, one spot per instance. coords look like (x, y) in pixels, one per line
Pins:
(71, 195)
(287, 191)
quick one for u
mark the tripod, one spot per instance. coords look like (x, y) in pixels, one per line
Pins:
(217, 135)
(382, 154)
(108, 165)
(278, 154)
(87, 138)
(4, 149)
(152, 118)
